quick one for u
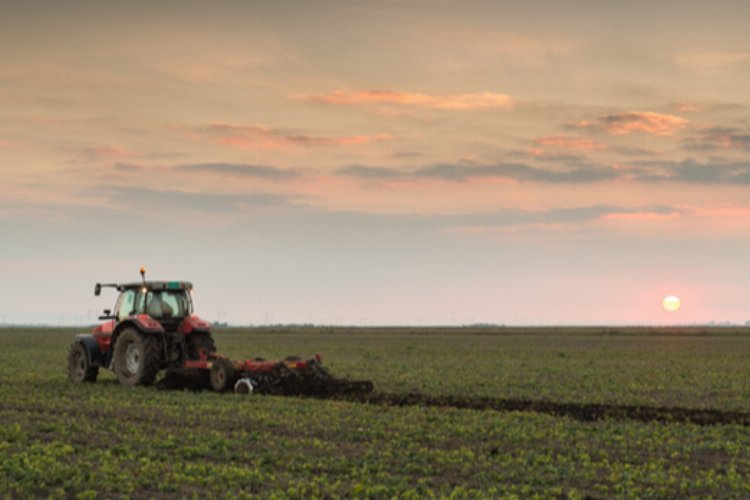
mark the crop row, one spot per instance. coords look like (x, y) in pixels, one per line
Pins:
(68, 440)
(183, 443)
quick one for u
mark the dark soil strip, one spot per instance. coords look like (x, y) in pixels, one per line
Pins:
(585, 412)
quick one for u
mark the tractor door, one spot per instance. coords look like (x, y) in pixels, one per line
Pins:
(103, 332)
(125, 306)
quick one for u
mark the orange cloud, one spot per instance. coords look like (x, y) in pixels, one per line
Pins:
(636, 121)
(728, 212)
(484, 100)
(570, 143)
(108, 152)
(259, 137)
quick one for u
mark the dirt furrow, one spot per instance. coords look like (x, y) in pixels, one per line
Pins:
(586, 412)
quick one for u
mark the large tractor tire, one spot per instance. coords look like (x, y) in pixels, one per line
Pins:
(80, 368)
(197, 341)
(137, 358)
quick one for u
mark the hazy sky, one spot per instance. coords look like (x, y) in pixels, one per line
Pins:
(422, 162)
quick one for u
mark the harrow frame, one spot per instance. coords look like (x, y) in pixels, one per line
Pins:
(292, 376)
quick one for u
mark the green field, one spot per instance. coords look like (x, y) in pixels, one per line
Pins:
(67, 440)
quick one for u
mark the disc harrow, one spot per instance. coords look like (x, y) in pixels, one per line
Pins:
(292, 376)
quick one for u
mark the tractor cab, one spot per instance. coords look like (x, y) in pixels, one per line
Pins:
(167, 302)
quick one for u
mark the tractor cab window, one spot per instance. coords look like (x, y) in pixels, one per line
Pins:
(125, 304)
(167, 303)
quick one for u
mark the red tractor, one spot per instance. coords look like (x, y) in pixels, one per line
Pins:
(153, 328)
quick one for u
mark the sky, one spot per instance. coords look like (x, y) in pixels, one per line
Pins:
(382, 162)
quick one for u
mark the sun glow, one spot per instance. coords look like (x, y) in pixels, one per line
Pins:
(671, 303)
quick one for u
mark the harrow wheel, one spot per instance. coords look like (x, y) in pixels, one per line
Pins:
(80, 368)
(222, 375)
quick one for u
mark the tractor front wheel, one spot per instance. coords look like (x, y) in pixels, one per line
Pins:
(137, 358)
(80, 368)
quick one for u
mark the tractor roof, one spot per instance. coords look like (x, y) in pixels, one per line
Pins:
(157, 285)
(151, 285)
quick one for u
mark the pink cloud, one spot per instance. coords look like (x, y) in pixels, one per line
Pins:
(710, 221)
(570, 143)
(726, 212)
(108, 152)
(260, 137)
(636, 121)
(483, 100)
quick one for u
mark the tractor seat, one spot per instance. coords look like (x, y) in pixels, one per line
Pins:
(157, 308)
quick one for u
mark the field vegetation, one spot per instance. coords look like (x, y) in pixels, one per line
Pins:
(429, 430)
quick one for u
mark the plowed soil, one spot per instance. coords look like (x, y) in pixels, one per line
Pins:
(586, 412)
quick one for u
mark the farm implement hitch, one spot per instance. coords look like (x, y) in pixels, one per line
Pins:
(290, 377)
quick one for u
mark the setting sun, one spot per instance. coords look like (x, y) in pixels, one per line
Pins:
(671, 303)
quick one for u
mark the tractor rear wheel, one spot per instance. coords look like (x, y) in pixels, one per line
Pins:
(137, 358)
(197, 341)
(80, 368)
(222, 375)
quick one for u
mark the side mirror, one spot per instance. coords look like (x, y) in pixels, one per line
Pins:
(98, 289)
